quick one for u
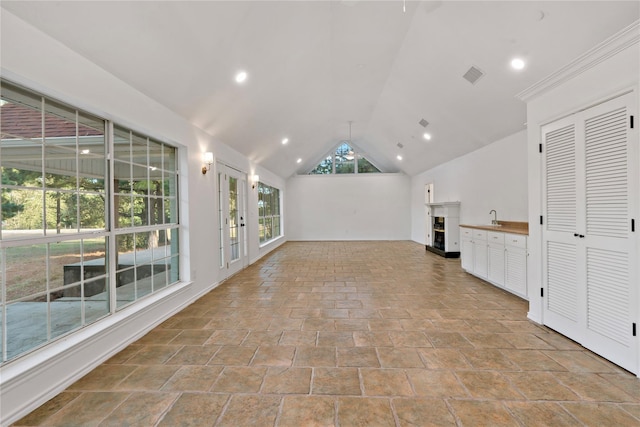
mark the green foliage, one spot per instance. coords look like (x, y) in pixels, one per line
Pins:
(365, 166)
(12, 203)
(324, 168)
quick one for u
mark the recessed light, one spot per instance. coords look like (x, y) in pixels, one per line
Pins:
(427, 136)
(285, 140)
(299, 160)
(241, 77)
(399, 157)
(517, 64)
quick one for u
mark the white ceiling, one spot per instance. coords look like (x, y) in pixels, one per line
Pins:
(315, 66)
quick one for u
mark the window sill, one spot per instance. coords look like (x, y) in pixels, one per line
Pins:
(32, 360)
(270, 242)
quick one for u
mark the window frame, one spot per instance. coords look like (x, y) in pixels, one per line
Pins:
(169, 182)
(275, 212)
(337, 153)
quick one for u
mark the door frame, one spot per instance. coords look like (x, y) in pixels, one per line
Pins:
(626, 356)
(228, 266)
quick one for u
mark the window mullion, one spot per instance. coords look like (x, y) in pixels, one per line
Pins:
(82, 284)
(42, 168)
(163, 173)
(48, 294)
(110, 185)
(78, 225)
(3, 289)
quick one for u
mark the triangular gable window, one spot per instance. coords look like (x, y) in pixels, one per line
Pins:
(344, 160)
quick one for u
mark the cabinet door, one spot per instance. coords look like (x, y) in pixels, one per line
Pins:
(496, 255)
(467, 255)
(516, 270)
(480, 258)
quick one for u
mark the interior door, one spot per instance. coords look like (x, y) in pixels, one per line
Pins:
(232, 188)
(610, 245)
(589, 247)
(563, 302)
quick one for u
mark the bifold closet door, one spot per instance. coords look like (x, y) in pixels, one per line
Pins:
(590, 252)
(563, 301)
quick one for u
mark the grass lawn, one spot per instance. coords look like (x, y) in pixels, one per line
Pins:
(26, 271)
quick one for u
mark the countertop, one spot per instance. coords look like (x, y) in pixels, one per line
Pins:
(514, 227)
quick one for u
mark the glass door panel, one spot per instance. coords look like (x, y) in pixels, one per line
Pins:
(231, 216)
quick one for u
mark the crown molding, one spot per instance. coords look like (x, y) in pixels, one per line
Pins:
(620, 41)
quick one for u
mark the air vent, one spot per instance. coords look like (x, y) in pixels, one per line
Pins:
(473, 75)
(423, 123)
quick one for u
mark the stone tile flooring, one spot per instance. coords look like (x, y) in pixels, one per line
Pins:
(350, 334)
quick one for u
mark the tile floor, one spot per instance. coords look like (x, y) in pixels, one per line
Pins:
(350, 334)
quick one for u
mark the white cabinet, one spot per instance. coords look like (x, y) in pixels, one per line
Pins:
(498, 257)
(480, 253)
(515, 259)
(466, 239)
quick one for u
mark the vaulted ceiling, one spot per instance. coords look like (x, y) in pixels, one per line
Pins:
(314, 66)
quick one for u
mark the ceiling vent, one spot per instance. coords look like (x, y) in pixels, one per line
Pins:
(473, 75)
(423, 123)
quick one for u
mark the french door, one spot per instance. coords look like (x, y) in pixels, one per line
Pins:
(590, 253)
(232, 189)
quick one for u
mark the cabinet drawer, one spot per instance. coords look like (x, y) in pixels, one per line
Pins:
(480, 234)
(495, 237)
(466, 233)
(517, 240)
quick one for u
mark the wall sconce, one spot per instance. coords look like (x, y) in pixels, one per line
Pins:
(207, 159)
(255, 179)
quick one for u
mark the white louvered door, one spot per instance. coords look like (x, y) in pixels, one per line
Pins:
(590, 252)
(610, 245)
(561, 196)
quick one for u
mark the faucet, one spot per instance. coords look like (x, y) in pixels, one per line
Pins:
(494, 221)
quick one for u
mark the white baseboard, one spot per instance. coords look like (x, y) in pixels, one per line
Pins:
(532, 316)
(32, 380)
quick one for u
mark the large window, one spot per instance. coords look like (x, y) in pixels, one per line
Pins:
(146, 220)
(344, 160)
(268, 212)
(64, 220)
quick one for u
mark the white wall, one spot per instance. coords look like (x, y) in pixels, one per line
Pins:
(33, 59)
(607, 76)
(493, 177)
(348, 207)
